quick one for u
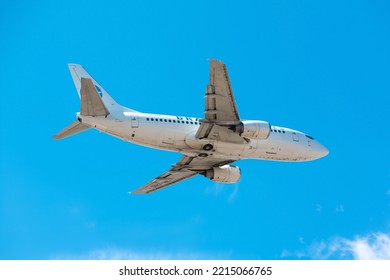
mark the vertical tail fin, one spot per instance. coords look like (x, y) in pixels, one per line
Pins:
(78, 73)
(91, 103)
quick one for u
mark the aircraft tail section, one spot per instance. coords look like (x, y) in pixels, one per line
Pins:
(94, 101)
(91, 103)
(73, 128)
(86, 84)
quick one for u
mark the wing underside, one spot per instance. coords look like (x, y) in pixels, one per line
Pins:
(185, 168)
(220, 104)
(220, 107)
(166, 179)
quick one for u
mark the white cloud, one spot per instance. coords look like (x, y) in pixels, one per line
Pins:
(297, 254)
(373, 246)
(118, 254)
(113, 254)
(121, 254)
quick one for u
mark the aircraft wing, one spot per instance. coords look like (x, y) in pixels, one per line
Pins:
(220, 104)
(185, 168)
(220, 107)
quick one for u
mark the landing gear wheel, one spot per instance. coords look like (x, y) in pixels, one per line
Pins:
(208, 147)
(203, 155)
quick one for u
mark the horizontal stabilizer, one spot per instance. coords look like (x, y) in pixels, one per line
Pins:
(91, 102)
(73, 128)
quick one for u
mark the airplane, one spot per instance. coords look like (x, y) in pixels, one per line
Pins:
(208, 145)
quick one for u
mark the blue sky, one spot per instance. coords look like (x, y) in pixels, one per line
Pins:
(321, 67)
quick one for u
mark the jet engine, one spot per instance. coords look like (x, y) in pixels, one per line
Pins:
(259, 130)
(224, 174)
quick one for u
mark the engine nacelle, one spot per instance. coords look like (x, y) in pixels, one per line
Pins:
(253, 129)
(224, 174)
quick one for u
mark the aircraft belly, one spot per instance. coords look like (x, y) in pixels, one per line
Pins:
(164, 139)
(230, 149)
(279, 149)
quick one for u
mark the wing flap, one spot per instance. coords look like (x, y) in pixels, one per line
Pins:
(215, 132)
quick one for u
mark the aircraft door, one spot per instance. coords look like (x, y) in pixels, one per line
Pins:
(169, 138)
(134, 122)
(272, 148)
(295, 137)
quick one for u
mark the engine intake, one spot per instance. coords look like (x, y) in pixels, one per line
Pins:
(224, 174)
(253, 129)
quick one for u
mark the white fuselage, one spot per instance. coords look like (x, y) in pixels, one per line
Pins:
(175, 133)
(207, 145)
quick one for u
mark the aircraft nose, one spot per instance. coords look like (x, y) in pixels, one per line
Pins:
(320, 150)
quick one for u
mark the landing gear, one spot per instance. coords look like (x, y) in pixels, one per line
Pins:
(208, 147)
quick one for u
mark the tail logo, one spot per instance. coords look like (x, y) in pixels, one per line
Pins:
(99, 91)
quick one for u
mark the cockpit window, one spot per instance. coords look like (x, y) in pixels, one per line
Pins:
(309, 137)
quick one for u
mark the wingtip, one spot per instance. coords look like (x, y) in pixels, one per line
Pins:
(215, 60)
(136, 192)
(74, 65)
(133, 192)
